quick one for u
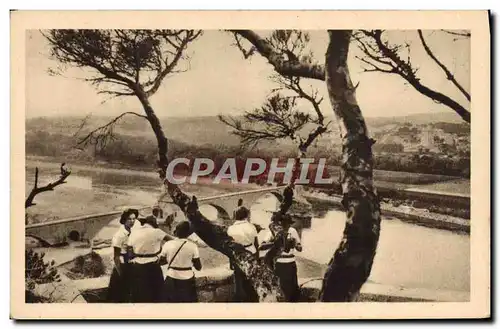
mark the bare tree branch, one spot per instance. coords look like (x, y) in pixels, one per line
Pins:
(246, 53)
(374, 51)
(320, 129)
(449, 75)
(49, 187)
(100, 136)
(375, 68)
(82, 124)
(459, 34)
(184, 41)
(380, 52)
(279, 117)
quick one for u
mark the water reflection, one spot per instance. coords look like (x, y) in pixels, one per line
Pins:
(407, 255)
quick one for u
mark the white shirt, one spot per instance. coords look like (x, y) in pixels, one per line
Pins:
(146, 240)
(244, 233)
(183, 259)
(285, 257)
(119, 240)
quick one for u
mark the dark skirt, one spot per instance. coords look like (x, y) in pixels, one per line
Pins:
(287, 274)
(180, 291)
(146, 283)
(119, 285)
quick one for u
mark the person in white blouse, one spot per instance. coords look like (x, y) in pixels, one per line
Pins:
(119, 282)
(180, 255)
(285, 266)
(143, 249)
(244, 233)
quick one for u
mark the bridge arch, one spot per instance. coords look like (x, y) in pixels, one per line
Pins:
(222, 214)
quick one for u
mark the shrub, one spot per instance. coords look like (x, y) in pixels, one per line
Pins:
(89, 266)
(37, 271)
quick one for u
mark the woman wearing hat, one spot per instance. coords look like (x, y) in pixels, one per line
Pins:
(144, 247)
(285, 266)
(180, 255)
(119, 285)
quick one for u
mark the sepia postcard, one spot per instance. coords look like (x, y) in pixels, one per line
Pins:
(254, 164)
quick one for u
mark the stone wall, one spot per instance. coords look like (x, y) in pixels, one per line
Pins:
(215, 285)
(373, 292)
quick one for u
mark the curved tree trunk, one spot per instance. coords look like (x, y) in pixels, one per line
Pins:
(157, 129)
(264, 281)
(351, 263)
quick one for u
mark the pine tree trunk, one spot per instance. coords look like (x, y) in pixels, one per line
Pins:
(264, 282)
(351, 263)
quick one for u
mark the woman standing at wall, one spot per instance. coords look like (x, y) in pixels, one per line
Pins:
(119, 283)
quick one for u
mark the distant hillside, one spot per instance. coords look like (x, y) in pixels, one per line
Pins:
(190, 130)
(408, 144)
(208, 129)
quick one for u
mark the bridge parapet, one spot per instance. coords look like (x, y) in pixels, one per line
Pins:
(86, 227)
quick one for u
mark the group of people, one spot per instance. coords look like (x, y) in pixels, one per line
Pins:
(284, 265)
(141, 248)
(140, 251)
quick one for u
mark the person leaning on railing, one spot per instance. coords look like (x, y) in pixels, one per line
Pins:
(285, 266)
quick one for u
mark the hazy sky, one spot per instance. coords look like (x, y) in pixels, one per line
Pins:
(221, 81)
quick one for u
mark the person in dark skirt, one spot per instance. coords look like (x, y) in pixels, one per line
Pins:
(285, 266)
(144, 248)
(180, 255)
(119, 284)
(244, 233)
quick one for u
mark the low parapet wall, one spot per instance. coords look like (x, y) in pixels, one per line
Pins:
(216, 285)
(374, 292)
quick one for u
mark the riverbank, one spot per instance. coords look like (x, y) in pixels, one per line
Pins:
(99, 189)
(323, 202)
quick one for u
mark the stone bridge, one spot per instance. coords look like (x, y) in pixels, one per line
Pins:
(86, 227)
(225, 204)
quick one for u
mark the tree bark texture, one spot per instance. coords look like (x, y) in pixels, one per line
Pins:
(351, 263)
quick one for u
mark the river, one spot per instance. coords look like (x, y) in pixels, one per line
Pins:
(408, 255)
